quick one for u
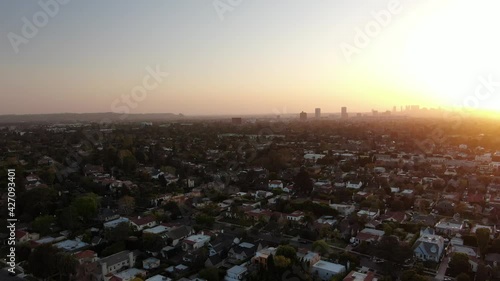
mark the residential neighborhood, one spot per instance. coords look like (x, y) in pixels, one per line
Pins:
(328, 200)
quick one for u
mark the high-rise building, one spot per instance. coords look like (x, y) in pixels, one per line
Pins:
(343, 112)
(303, 116)
(317, 113)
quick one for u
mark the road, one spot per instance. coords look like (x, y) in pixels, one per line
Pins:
(442, 269)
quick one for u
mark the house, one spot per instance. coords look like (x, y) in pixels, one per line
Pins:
(257, 214)
(325, 221)
(115, 223)
(273, 184)
(140, 223)
(116, 262)
(354, 185)
(368, 235)
(296, 216)
(24, 236)
(195, 242)
(214, 261)
(179, 233)
(262, 256)
(160, 230)
(236, 273)
(429, 248)
(86, 256)
(326, 270)
(107, 214)
(471, 252)
(158, 277)
(151, 263)
(369, 214)
(360, 276)
(397, 217)
(126, 275)
(449, 227)
(492, 229)
(343, 209)
(242, 251)
(71, 246)
(307, 257)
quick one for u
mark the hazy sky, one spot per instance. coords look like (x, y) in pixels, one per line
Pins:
(256, 56)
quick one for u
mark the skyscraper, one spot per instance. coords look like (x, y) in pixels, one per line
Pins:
(317, 113)
(343, 112)
(303, 116)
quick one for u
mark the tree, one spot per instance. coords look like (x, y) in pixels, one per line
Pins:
(282, 261)
(463, 277)
(68, 218)
(152, 242)
(86, 206)
(483, 238)
(210, 274)
(42, 261)
(321, 247)
(482, 272)
(42, 224)
(23, 252)
(119, 233)
(459, 263)
(412, 275)
(303, 182)
(113, 249)
(66, 265)
(126, 205)
(286, 251)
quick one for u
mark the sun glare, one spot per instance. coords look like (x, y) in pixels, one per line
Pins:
(452, 47)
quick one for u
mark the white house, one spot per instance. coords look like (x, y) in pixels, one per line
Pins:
(343, 209)
(449, 226)
(313, 157)
(273, 184)
(195, 242)
(141, 223)
(369, 214)
(127, 275)
(295, 216)
(115, 223)
(236, 273)
(429, 248)
(326, 270)
(115, 262)
(354, 185)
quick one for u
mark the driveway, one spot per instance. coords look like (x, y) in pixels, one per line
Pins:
(442, 269)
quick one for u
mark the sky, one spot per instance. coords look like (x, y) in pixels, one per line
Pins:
(247, 56)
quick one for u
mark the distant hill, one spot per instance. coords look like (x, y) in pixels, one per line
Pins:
(87, 117)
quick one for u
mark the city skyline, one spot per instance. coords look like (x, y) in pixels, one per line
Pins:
(208, 59)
